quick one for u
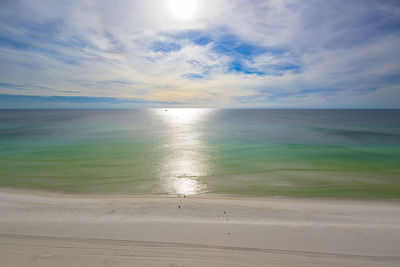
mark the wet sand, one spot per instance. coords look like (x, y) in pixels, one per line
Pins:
(43, 229)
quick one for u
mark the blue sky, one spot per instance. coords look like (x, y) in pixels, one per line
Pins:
(227, 54)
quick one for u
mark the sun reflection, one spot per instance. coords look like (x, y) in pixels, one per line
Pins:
(186, 186)
(183, 115)
(185, 152)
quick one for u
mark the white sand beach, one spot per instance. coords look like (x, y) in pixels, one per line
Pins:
(43, 229)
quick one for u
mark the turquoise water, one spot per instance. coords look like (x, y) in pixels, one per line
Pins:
(328, 153)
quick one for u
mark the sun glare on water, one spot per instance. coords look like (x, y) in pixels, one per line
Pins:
(186, 154)
(183, 9)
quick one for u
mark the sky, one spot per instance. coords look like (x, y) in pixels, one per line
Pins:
(200, 53)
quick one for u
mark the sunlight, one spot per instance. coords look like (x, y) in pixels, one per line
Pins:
(186, 153)
(184, 115)
(186, 186)
(183, 9)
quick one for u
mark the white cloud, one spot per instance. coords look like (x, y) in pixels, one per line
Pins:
(103, 49)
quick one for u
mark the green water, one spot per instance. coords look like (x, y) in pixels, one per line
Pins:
(324, 153)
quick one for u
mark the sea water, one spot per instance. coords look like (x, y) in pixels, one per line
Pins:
(253, 152)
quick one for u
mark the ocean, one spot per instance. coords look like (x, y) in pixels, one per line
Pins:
(250, 152)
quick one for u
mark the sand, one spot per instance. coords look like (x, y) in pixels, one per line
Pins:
(42, 229)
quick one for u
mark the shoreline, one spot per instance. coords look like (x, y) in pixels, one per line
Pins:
(62, 194)
(52, 229)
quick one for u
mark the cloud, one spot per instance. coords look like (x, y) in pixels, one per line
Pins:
(230, 54)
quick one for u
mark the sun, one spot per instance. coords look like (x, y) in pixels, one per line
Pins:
(183, 9)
